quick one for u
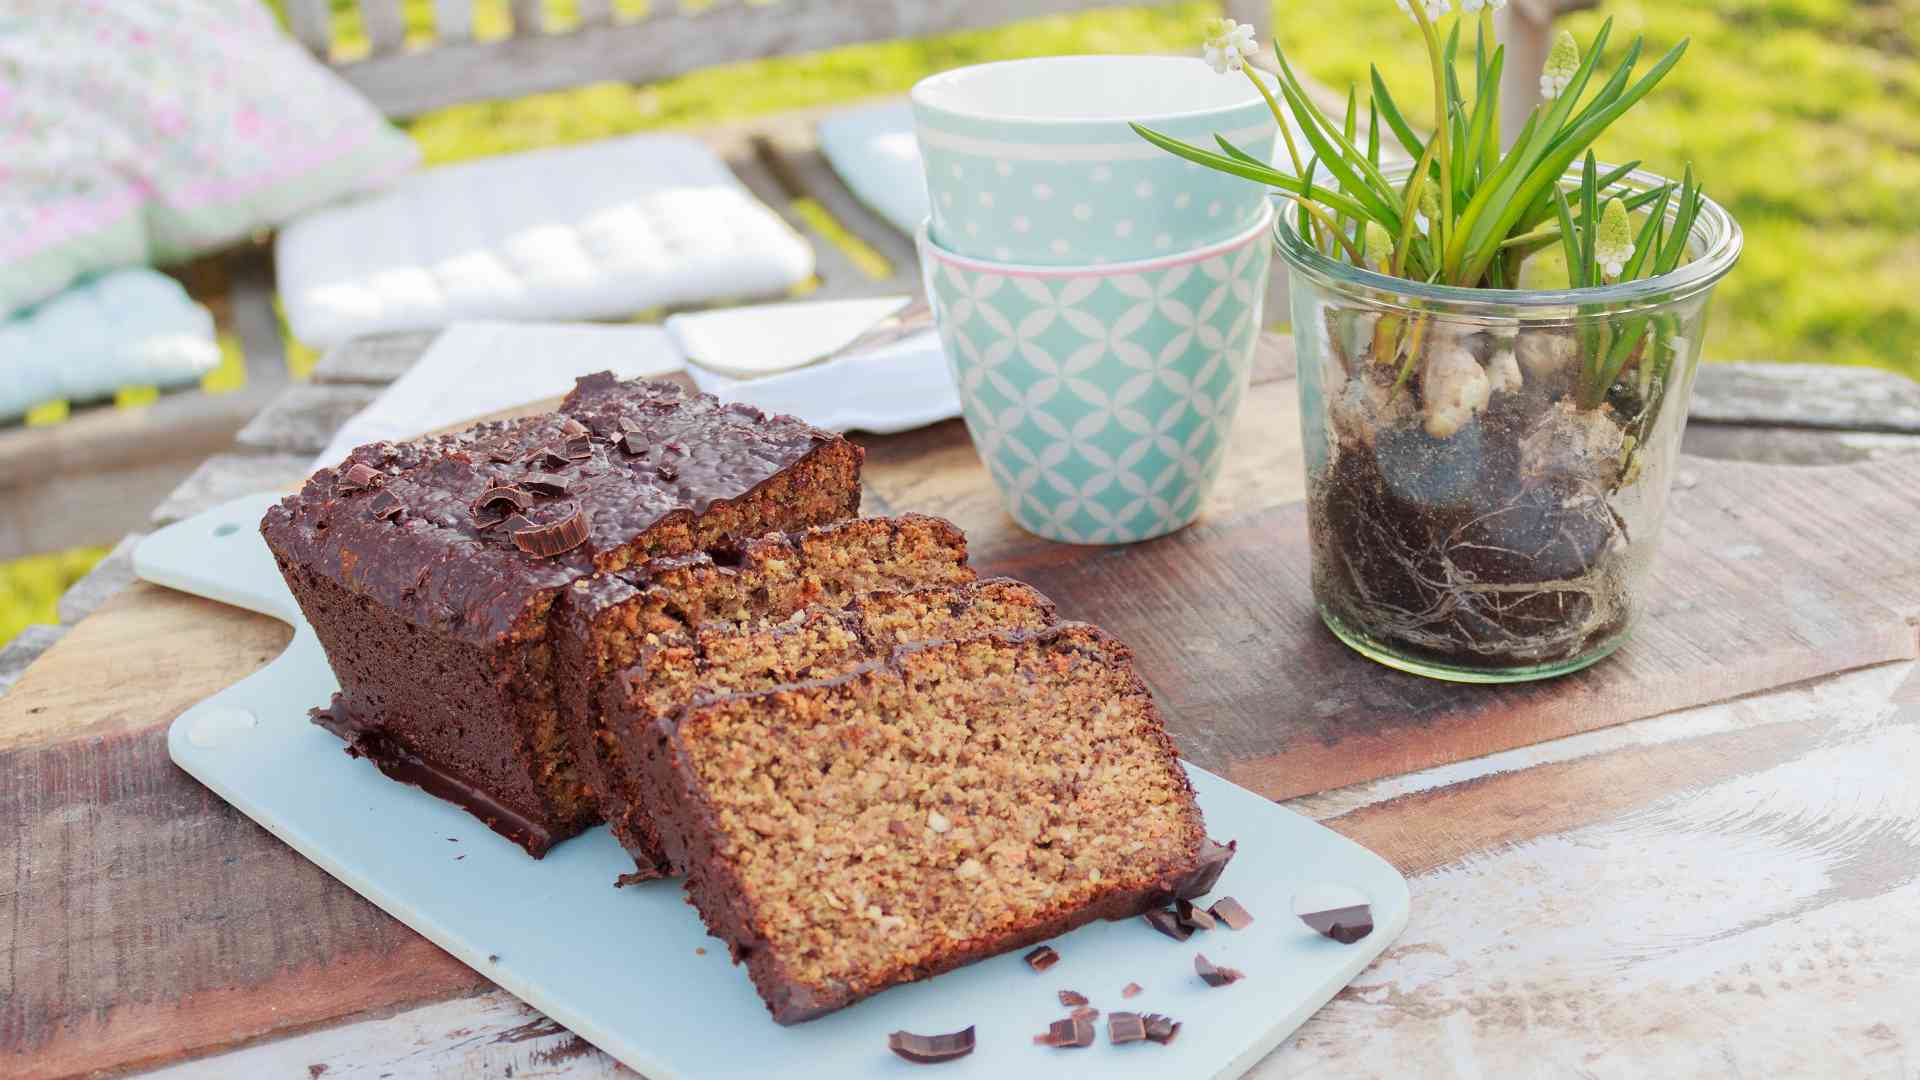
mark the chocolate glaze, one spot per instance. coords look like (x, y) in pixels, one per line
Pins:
(441, 569)
(691, 835)
(367, 741)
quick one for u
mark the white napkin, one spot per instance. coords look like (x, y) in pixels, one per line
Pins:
(896, 387)
(476, 368)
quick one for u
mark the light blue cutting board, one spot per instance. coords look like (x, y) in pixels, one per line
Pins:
(620, 967)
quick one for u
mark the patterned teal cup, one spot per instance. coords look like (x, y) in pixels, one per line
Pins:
(1033, 161)
(1102, 398)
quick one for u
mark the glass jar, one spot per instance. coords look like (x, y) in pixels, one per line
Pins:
(1484, 502)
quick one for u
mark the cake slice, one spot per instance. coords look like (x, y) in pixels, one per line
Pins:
(603, 623)
(958, 800)
(820, 642)
(429, 570)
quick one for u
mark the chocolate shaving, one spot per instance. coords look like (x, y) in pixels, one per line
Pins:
(501, 494)
(931, 1049)
(1214, 976)
(1072, 997)
(1161, 1028)
(385, 505)
(1085, 1012)
(1206, 873)
(1231, 913)
(556, 538)
(1168, 923)
(573, 428)
(1190, 915)
(1125, 1027)
(580, 447)
(1042, 958)
(667, 473)
(361, 477)
(1130, 990)
(1075, 1031)
(544, 483)
(1345, 925)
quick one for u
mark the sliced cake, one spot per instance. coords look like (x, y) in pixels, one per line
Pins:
(820, 642)
(429, 570)
(958, 800)
(602, 624)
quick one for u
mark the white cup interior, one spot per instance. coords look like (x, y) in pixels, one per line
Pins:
(1064, 89)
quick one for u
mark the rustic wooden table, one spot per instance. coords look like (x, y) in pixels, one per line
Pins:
(1700, 858)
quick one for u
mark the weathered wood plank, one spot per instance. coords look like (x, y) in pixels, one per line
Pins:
(1807, 395)
(529, 17)
(1711, 906)
(591, 13)
(375, 360)
(386, 26)
(1793, 445)
(224, 477)
(452, 21)
(312, 24)
(26, 647)
(111, 574)
(303, 418)
(671, 41)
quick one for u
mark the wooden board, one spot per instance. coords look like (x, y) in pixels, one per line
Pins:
(147, 921)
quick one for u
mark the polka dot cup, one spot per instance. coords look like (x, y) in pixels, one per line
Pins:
(1102, 398)
(1032, 161)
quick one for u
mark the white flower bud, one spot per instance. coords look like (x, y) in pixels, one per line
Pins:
(1562, 64)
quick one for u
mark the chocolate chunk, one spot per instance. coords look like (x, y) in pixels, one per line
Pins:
(548, 457)
(544, 483)
(1161, 1028)
(1189, 915)
(1345, 925)
(580, 447)
(1168, 923)
(1231, 914)
(1085, 1012)
(1206, 874)
(931, 1049)
(1130, 990)
(385, 505)
(1214, 976)
(1072, 997)
(633, 442)
(667, 473)
(572, 428)
(500, 497)
(557, 538)
(1042, 958)
(361, 477)
(1075, 1031)
(1125, 1027)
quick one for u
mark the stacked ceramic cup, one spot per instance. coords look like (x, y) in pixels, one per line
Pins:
(1098, 299)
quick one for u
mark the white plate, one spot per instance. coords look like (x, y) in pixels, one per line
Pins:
(619, 966)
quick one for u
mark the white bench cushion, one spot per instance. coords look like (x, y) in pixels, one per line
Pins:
(126, 328)
(604, 230)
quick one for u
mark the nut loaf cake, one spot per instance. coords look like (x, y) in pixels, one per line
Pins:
(602, 624)
(822, 642)
(958, 800)
(428, 569)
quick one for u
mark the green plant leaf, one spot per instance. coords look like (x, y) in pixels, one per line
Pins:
(1413, 144)
(1248, 167)
(1648, 238)
(1569, 241)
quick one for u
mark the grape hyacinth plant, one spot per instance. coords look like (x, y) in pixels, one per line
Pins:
(1492, 334)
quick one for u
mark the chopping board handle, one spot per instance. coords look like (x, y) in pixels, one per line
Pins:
(219, 554)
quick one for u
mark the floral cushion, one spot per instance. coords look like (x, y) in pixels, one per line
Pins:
(137, 131)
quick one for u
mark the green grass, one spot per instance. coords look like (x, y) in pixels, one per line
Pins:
(30, 587)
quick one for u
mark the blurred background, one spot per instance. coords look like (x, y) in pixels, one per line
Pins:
(1801, 116)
